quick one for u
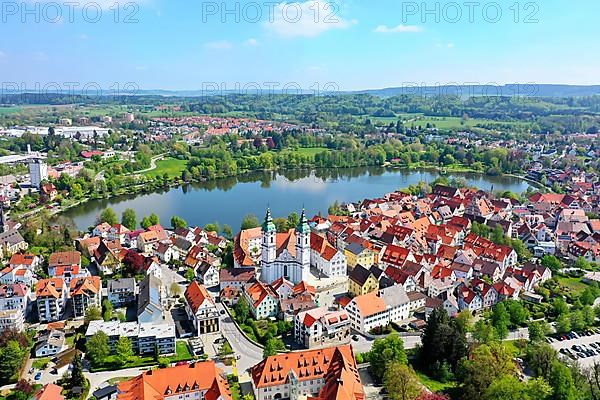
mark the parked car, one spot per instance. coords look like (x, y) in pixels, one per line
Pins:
(38, 376)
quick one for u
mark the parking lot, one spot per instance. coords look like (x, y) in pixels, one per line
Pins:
(585, 348)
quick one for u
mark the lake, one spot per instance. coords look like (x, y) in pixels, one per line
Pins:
(227, 201)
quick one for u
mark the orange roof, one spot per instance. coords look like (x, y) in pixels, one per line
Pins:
(51, 287)
(258, 292)
(306, 365)
(64, 258)
(180, 380)
(369, 304)
(22, 259)
(85, 285)
(196, 295)
(50, 392)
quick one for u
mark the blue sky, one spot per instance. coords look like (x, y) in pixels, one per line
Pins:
(191, 44)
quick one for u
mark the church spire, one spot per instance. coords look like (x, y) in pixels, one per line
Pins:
(268, 225)
(302, 226)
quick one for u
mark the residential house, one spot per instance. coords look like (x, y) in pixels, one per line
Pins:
(236, 277)
(378, 309)
(361, 281)
(321, 327)
(66, 265)
(51, 343)
(208, 274)
(85, 292)
(202, 309)
(146, 338)
(122, 292)
(11, 242)
(357, 254)
(262, 300)
(326, 258)
(51, 297)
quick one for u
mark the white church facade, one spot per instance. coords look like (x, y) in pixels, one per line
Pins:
(285, 254)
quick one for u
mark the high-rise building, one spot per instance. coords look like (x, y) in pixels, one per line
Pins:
(38, 171)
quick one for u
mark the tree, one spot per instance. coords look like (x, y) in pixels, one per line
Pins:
(538, 331)
(384, 352)
(108, 309)
(563, 323)
(551, 262)
(500, 320)
(97, 348)
(484, 332)
(540, 358)
(465, 320)
(123, 350)
(129, 219)
(560, 306)
(270, 348)
(250, 221)
(292, 220)
(178, 222)
(175, 289)
(150, 220)
(227, 231)
(93, 313)
(242, 311)
(11, 359)
(518, 314)
(508, 387)
(190, 275)
(486, 363)
(577, 321)
(109, 216)
(77, 377)
(212, 227)
(562, 382)
(401, 382)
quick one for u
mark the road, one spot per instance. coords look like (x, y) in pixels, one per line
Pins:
(249, 353)
(153, 161)
(97, 379)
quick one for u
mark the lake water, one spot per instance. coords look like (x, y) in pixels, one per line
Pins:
(227, 201)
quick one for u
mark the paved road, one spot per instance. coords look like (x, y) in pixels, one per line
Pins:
(98, 379)
(249, 353)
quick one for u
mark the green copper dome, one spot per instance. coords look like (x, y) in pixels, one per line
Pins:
(302, 226)
(268, 225)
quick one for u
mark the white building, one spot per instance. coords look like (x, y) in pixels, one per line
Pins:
(320, 326)
(280, 258)
(38, 171)
(326, 258)
(11, 319)
(51, 297)
(378, 308)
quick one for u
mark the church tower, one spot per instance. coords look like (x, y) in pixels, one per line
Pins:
(268, 248)
(3, 226)
(302, 249)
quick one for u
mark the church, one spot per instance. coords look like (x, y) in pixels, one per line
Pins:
(285, 254)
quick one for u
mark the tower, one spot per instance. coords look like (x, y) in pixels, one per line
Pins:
(269, 245)
(38, 171)
(302, 249)
(3, 226)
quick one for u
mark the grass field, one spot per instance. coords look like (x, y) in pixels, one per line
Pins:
(433, 385)
(40, 363)
(570, 284)
(419, 119)
(311, 151)
(9, 110)
(172, 166)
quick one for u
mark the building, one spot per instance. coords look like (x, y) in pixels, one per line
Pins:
(357, 254)
(361, 281)
(324, 374)
(11, 242)
(11, 319)
(150, 300)
(85, 292)
(201, 307)
(50, 391)
(146, 338)
(262, 300)
(208, 273)
(15, 297)
(321, 327)
(325, 258)
(236, 278)
(38, 172)
(51, 298)
(66, 265)
(201, 380)
(280, 257)
(379, 308)
(51, 344)
(121, 292)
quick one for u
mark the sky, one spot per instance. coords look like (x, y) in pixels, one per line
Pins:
(316, 45)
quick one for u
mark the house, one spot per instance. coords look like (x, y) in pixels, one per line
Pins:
(122, 291)
(202, 309)
(66, 265)
(262, 300)
(85, 292)
(199, 380)
(11, 242)
(10, 275)
(247, 247)
(236, 277)
(321, 374)
(378, 309)
(148, 239)
(50, 391)
(361, 281)
(107, 256)
(25, 260)
(166, 252)
(357, 254)
(208, 274)
(48, 192)
(325, 258)
(321, 327)
(150, 300)
(101, 229)
(118, 232)
(146, 338)
(51, 344)
(15, 296)
(51, 297)
(12, 320)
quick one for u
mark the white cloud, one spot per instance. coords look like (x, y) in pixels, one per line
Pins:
(398, 29)
(450, 45)
(219, 45)
(251, 42)
(308, 19)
